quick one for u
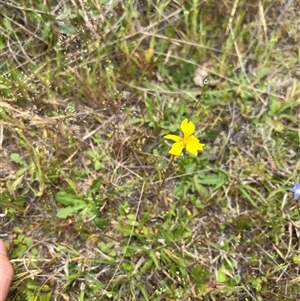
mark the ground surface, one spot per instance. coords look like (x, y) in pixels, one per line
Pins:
(89, 88)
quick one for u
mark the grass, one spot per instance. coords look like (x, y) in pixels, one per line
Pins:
(89, 88)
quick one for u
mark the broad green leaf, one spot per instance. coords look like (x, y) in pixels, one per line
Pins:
(29, 241)
(211, 180)
(261, 73)
(296, 259)
(19, 251)
(69, 199)
(100, 222)
(6, 23)
(65, 212)
(127, 266)
(221, 275)
(17, 159)
(35, 251)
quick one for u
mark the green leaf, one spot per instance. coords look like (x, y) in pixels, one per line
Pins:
(6, 23)
(221, 275)
(277, 125)
(97, 165)
(69, 199)
(262, 72)
(127, 266)
(218, 180)
(105, 248)
(147, 265)
(100, 222)
(17, 159)
(243, 188)
(212, 133)
(199, 188)
(19, 251)
(296, 259)
(65, 212)
(34, 251)
(29, 241)
(277, 107)
(199, 204)
(248, 197)
(124, 209)
(45, 297)
(21, 171)
(154, 259)
(29, 295)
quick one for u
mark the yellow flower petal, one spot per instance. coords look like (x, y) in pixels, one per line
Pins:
(194, 147)
(192, 138)
(191, 148)
(188, 128)
(201, 146)
(173, 137)
(189, 141)
(176, 149)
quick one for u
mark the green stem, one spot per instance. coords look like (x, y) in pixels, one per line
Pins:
(164, 179)
(205, 86)
(298, 211)
(161, 185)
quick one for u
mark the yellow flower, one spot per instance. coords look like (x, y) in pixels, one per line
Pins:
(189, 141)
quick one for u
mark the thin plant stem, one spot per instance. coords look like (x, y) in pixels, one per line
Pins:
(298, 211)
(161, 185)
(297, 225)
(164, 179)
(205, 86)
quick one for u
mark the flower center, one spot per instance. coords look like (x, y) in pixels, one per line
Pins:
(184, 140)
